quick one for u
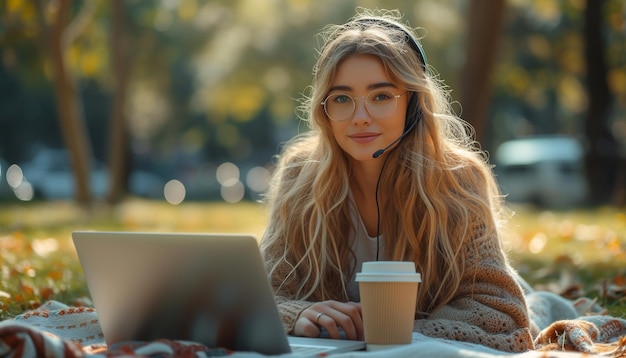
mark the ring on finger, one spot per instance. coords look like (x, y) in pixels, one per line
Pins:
(317, 318)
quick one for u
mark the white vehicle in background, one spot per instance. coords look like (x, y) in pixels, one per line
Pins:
(544, 170)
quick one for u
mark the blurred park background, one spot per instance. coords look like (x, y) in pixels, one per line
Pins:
(167, 114)
(189, 100)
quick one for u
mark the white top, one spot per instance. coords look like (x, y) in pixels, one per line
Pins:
(363, 246)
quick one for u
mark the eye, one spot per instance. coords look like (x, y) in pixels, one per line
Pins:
(381, 96)
(341, 98)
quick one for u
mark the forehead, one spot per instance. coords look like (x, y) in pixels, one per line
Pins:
(361, 72)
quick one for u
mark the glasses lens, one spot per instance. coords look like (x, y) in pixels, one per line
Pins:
(381, 103)
(339, 107)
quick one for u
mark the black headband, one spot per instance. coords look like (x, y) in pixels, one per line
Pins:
(413, 42)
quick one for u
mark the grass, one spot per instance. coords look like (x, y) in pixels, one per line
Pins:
(573, 253)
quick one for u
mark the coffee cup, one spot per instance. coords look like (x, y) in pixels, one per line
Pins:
(388, 291)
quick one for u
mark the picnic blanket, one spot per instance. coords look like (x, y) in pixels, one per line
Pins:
(561, 327)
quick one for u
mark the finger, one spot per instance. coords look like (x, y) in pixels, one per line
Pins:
(323, 315)
(348, 317)
(328, 322)
(337, 317)
(333, 315)
(304, 327)
(353, 309)
(356, 304)
(358, 320)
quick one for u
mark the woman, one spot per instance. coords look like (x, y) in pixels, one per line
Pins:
(388, 172)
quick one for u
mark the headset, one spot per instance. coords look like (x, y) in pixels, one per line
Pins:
(413, 42)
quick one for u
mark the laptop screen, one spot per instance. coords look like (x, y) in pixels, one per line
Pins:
(206, 288)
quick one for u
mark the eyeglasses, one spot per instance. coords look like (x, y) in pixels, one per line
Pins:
(379, 103)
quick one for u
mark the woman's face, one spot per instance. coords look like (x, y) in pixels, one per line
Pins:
(365, 131)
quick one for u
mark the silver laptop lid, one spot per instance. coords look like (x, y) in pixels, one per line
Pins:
(206, 288)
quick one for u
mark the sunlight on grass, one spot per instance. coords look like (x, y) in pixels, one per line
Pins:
(572, 253)
(580, 252)
(587, 237)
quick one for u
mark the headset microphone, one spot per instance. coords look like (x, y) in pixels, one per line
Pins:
(380, 152)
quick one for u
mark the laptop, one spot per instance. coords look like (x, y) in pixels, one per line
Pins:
(206, 288)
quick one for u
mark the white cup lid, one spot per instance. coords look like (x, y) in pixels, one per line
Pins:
(388, 271)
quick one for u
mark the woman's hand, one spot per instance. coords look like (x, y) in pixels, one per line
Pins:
(332, 316)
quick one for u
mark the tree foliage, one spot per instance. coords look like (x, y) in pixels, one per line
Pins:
(210, 81)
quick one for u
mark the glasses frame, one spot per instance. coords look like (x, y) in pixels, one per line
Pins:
(354, 98)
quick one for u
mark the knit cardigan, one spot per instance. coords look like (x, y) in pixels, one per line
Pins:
(489, 307)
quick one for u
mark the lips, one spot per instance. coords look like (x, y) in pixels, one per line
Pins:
(364, 137)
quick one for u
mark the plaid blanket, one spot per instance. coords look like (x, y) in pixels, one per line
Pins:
(56, 330)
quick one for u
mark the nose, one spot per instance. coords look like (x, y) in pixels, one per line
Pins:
(361, 115)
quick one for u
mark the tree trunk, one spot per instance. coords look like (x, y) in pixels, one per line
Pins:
(602, 159)
(70, 116)
(118, 150)
(486, 19)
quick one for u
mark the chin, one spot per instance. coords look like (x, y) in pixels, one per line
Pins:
(362, 156)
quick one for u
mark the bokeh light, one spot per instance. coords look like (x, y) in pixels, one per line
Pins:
(233, 192)
(24, 191)
(537, 243)
(15, 176)
(174, 192)
(258, 179)
(227, 173)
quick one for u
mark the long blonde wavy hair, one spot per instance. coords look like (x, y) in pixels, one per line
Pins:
(437, 186)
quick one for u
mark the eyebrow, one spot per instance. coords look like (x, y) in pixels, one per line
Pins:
(370, 87)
